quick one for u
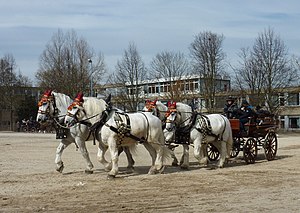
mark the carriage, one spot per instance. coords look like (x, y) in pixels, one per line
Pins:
(260, 134)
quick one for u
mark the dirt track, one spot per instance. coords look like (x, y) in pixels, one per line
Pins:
(29, 182)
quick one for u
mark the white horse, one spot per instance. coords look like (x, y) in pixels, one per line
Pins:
(178, 117)
(120, 129)
(53, 106)
(213, 128)
(159, 109)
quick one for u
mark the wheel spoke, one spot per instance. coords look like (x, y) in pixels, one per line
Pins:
(250, 151)
(270, 146)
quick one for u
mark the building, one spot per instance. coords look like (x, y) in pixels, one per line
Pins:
(187, 88)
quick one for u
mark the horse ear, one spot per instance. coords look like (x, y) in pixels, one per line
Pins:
(155, 102)
(168, 103)
(108, 99)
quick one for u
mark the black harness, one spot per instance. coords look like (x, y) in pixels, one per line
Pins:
(206, 129)
(123, 128)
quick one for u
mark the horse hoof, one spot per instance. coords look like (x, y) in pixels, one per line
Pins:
(60, 169)
(88, 171)
(130, 170)
(110, 177)
(159, 171)
(184, 167)
(151, 172)
(174, 164)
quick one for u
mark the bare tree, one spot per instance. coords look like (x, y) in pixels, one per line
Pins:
(130, 72)
(66, 65)
(10, 81)
(171, 67)
(208, 56)
(248, 76)
(267, 70)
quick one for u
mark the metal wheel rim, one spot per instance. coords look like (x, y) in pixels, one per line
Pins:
(250, 151)
(235, 148)
(270, 146)
(212, 152)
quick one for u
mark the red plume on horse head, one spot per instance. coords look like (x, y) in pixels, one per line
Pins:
(47, 93)
(171, 104)
(79, 97)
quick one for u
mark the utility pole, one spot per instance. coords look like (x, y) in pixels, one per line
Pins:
(91, 80)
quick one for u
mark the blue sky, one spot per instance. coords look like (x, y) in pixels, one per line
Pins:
(26, 26)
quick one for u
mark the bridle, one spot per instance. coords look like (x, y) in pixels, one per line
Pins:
(50, 100)
(76, 105)
(174, 113)
(152, 107)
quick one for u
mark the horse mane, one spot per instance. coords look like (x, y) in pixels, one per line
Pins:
(186, 112)
(62, 102)
(93, 106)
(161, 107)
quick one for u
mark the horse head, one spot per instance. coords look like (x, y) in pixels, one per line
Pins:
(76, 111)
(46, 106)
(150, 106)
(172, 119)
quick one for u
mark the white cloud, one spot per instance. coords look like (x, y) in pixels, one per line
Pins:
(154, 25)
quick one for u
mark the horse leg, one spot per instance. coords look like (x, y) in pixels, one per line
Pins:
(59, 150)
(175, 161)
(102, 148)
(199, 152)
(114, 158)
(184, 162)
(223, 154)
(153, 155)
(161, 153)
(129, 157)
(85, 154)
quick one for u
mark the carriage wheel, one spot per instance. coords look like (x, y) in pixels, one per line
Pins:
(270, 145)
(235, 147)
(212, 152)
(250, 151)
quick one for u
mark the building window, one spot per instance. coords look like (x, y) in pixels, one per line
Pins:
(187, 86)
(293, 99)
(294, 123)
(225, 87)
(196, 85)
(157, 89)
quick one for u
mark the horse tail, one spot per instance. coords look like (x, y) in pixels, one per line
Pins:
(229, 141)
(166, 152)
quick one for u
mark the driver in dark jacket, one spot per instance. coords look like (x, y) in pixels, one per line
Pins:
(230, 108)
(244, 113)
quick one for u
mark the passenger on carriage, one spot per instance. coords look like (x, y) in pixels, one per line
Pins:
(244, 113)
(261, 114)
(230, 108)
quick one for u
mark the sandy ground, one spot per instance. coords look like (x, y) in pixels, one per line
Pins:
(29, 182)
